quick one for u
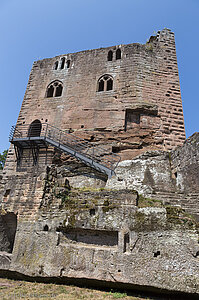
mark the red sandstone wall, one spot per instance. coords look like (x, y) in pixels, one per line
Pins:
(145, 73)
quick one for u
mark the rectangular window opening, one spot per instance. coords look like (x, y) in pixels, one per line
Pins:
(132, 119)
(126, 242)
(91, 237)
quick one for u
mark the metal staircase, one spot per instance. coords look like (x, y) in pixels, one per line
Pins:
(36, 135)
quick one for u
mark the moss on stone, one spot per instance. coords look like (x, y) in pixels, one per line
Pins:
(139, 217)
(105, 209)
(169, 154)
(72, 219)
(89, 189)
(149, 47)
(178, 216)
(148, 202)
(2, 211)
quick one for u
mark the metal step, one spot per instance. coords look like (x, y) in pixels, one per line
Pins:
(23, 137)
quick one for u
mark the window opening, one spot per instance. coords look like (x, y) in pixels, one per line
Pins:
(68, 63)
(50, 91)
(8, 224)
(62, 62)
(101, 85)
(54, 89)
(118, 54)
(110, 55)
(105, 83)
(109, 84)
(132, 119)
(115, 149)
(58, 91)
(46, 228)
(91, 237)
(56, 65)
(126, 242)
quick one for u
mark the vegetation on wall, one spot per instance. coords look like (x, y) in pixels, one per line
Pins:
(3, 158)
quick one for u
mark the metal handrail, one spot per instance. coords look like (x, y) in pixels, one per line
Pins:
(47, 131)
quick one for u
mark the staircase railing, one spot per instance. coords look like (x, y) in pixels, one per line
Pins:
(63, 140)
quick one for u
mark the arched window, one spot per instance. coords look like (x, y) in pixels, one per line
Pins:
(105, 83)
(58, 91)
(62, 62)
(54, 89)
(50, 91)
(68, 63)
(56, 65)
(46, 227)
(109, 83)
(110, 55)
(101, 85)
(34, 128)
(118, 54)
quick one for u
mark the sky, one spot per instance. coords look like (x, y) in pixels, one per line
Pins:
(31, 30)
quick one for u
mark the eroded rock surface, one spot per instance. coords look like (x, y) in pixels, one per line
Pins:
(172, 177)
(103, 240)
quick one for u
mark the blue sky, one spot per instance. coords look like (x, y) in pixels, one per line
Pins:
(37, 29)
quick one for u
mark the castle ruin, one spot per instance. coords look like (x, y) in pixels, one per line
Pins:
(99, 183)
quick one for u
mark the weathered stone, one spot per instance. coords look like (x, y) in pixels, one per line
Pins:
(140, 246)
(169, 176)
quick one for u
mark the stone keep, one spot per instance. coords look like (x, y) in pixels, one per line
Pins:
(60, 218)
(140, 108)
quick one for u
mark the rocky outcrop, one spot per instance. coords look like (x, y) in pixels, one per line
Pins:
(94, 238)
(83, 226)
(172, 177)
(185, 165)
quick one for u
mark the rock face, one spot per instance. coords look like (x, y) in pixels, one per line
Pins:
(109, 240)
(170, 176)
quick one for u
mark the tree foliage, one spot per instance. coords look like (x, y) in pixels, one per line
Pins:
(3, 158)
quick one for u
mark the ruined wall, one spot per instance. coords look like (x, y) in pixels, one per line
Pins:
(185, 165)
(21, 188)
(145, 75)
(169, 176)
